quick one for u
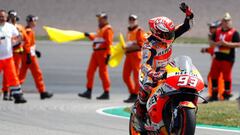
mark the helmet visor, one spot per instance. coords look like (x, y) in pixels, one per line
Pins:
(166, 37)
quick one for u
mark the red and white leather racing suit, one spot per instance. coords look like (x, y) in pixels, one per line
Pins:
(156, 56)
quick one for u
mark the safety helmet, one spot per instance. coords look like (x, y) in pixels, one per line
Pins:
(30, 18)
(227, 16)
(13, 13)
(133, 17)
(214, 24)
(102, 15)
(162, 28)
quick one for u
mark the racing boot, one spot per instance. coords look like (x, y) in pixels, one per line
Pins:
(131, 99)
(45, 95)
(141, 110)
(87, 94)
(104, 96)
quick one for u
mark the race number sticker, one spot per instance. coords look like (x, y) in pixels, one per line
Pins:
(187, 81)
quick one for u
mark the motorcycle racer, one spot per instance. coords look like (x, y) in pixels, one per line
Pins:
(157, 53)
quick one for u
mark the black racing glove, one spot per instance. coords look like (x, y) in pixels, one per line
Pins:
(156, 75)
(86, 34)
(107, 59)
(28, 61)
(38, 54)
(187, 10)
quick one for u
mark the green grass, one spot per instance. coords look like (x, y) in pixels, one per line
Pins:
(222, 113)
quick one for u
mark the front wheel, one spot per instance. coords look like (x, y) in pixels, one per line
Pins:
(187, 121)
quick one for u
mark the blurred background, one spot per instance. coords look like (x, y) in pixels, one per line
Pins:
(80, 14)
(64, 65)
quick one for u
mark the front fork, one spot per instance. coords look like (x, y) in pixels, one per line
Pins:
(175, 125)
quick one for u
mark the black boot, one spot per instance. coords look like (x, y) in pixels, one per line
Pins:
(19, 99)
(87, 94)
(5, 96)
(10, 96)
(226, 96)
(131, 99)
(104, 96)
(45, 95)
(214, 97)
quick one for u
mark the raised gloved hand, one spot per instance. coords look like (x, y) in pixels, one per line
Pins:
(38, 54)
(187, 10)
(86, 34)
(28, 61)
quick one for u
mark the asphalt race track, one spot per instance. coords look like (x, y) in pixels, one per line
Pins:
(64, 68)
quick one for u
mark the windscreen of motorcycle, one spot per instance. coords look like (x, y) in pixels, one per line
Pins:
(182, 73)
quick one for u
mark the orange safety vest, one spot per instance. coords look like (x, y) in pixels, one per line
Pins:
(226, 36)
(18, 47)
(31, 47)
(99, 40)
(132, 36)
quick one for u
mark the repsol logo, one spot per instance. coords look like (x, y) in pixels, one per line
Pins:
(160, 91)
(165, 51)
(185, 73)
(152, 101)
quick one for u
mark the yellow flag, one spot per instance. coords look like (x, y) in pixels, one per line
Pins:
(61, 36)
(117, 52)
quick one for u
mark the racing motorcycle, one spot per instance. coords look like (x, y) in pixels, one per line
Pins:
(180, 86)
